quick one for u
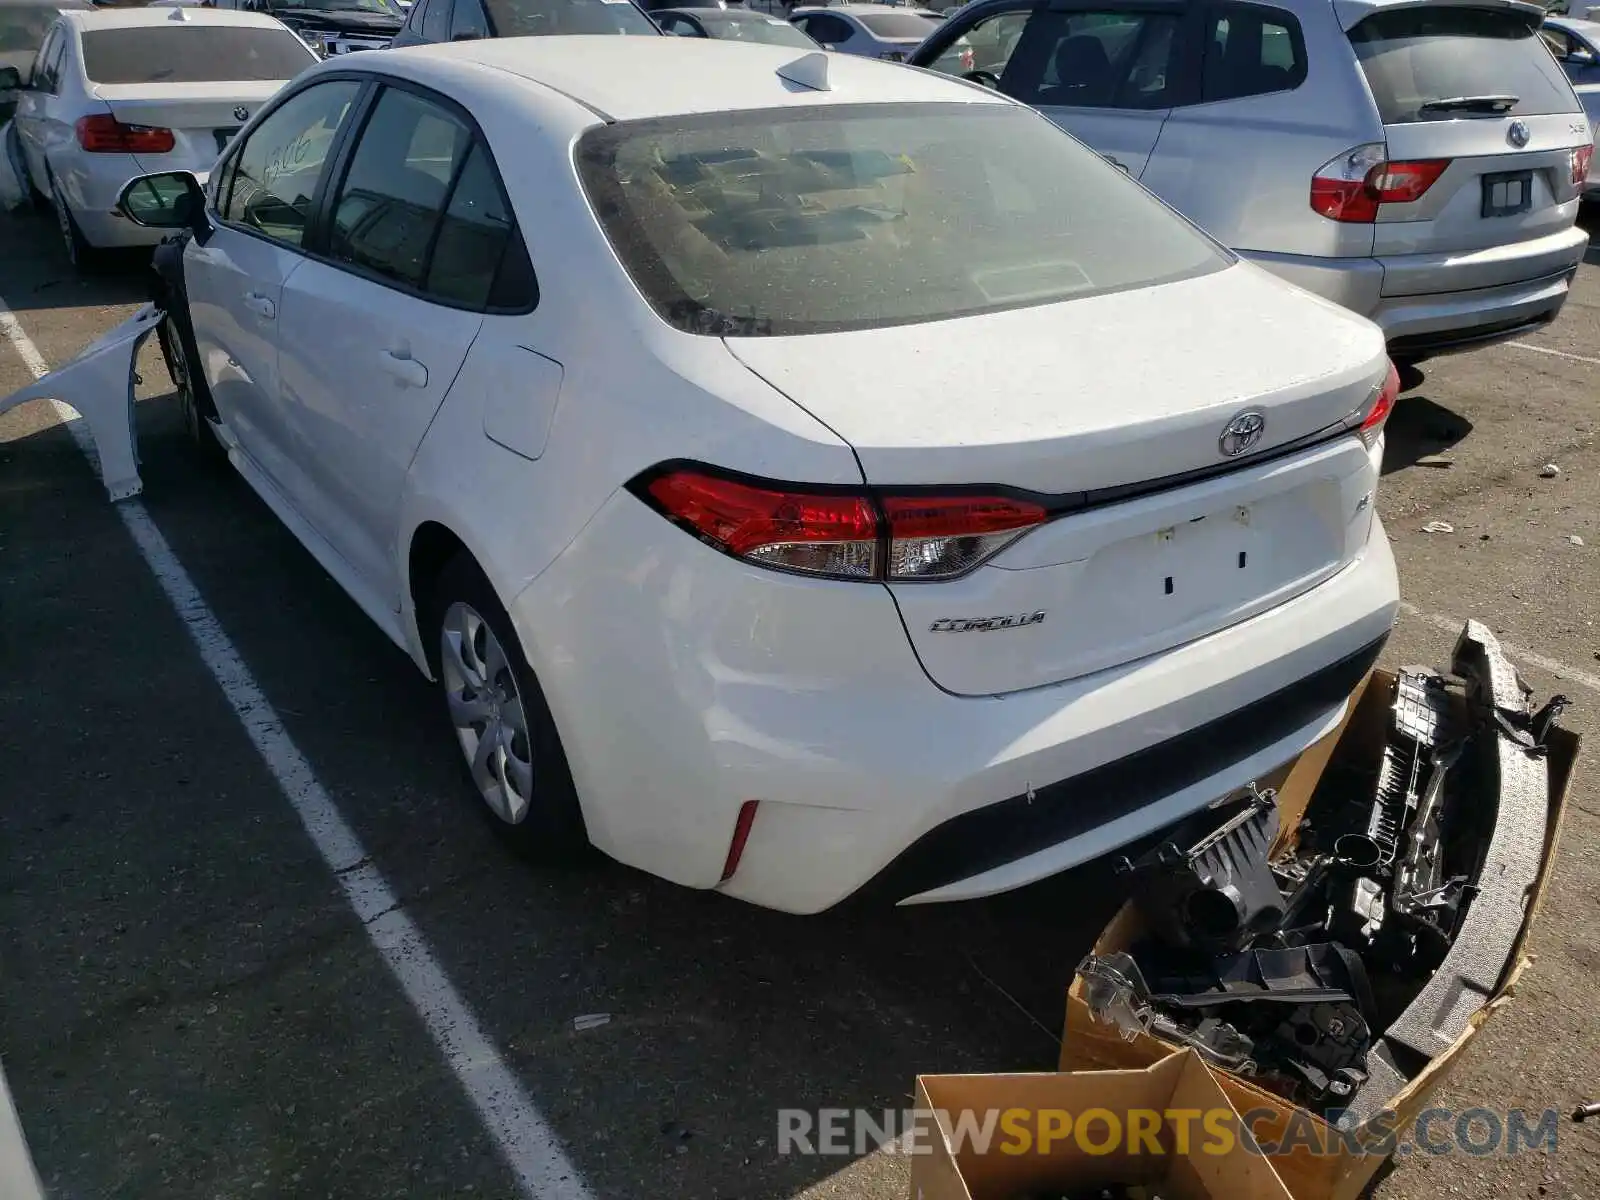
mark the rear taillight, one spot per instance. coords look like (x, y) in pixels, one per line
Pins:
(840, 533)
(104, 134)
(1581, 158)
(1352, 186)
(1371, 427)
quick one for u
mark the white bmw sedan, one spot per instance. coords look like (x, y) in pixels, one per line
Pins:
(123, 92)
(801, 476)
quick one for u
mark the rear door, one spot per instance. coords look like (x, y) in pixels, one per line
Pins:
(1472, 94)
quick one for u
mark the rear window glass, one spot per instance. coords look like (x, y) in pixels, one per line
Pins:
(793, 221)
(193, 54)
(769, 30)
(1443, 64)
(533, 18)
(898, 25)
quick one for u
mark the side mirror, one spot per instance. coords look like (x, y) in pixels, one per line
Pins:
(170, 200)
(10, 79)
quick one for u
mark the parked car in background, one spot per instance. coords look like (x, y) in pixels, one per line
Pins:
(468, 20)
(1418, 163)
(731, 24)
(884, 31)
(120, 92)
(1576, 45)
(333, 27)
(630, 387)
(1589, 94)
(23, 24)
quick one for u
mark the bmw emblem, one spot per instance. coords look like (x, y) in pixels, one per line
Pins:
(1241, 434)
(1517, 134)
(243, 114)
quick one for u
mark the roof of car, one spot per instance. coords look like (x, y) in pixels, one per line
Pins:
(627, 78)
(143, 18)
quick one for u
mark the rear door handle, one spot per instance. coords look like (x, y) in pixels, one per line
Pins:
(261, 305)
(404, 368)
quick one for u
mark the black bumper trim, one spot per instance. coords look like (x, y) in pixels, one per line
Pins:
(1008, 830)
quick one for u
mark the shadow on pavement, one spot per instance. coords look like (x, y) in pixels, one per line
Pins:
(1417, 428)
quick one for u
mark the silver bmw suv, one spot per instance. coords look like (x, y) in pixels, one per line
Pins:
(1417, 161)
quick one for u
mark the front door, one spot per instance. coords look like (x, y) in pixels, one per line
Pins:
(263, 197)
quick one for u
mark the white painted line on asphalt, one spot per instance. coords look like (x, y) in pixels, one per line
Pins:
(1594, 362)
(1533, 658)
(531, 1147)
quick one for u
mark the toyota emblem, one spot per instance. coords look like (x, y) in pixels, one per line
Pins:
(1241, 434)
(243, 114)
(1517, 134)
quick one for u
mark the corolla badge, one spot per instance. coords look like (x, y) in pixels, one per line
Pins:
(1517, 134)
(1241, 434)
(985, 624)
(241, 113)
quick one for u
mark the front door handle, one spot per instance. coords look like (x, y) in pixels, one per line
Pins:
(404, 368)
(261, 305)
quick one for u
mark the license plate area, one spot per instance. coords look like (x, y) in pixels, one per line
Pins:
(224, 136)
(1507, 193)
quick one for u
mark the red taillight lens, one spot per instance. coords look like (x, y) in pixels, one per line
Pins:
(839, 533)
(741, 835)
(1371, 427)
(104, 134)
(1581, 158)
(1351, 187)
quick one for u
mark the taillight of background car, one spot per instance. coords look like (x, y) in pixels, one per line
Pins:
(1352, 186)
(1581, 158)
(104, 134)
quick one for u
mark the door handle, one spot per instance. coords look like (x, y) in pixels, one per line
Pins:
(260, 305)
(404, 368)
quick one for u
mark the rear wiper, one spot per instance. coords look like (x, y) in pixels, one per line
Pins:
(1470, 104)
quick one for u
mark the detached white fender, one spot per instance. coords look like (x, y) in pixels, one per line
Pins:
(99, 384)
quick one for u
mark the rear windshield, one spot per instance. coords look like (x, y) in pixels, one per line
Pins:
(532, 18)
(813, 220)
(1417, 60)
(193, 54)
(741, 28)
(901, 26)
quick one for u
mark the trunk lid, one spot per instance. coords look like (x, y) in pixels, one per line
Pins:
(1118, 391)
(202, 116)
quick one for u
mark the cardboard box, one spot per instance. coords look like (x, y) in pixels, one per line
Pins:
(1190, 1145)
(1336, 1166)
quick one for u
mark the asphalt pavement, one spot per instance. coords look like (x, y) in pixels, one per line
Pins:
(190, 1007)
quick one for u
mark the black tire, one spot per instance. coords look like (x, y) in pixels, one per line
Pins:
(553, 830)
(83, 257)
(194, 398)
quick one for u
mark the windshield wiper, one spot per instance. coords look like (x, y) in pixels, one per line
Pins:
(1470, 104)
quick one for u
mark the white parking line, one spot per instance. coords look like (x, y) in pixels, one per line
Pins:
(1594, 362)
(530, 1146)
(1554, 665)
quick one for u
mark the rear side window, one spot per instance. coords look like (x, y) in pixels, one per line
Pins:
(1441, 64)
(830, 31)
(533, 18)
(1250, 52)
(818, 219)
(1094, 60)
(193, 54)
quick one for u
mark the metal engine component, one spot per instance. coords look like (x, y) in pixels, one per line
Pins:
(1210, 886)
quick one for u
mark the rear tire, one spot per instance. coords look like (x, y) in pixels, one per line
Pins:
(83, 257)
(510, 749)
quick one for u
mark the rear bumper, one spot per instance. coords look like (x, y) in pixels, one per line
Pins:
(1461, 313)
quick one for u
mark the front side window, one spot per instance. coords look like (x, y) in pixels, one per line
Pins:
(179, 53)
(1095, 60)
(811, 220)
(535, 18)
(281, 164)
(1447, 63)
(395, 189)
(1250, 52)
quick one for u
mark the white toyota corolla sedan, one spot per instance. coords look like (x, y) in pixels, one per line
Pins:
(118, 92)
(802, 476)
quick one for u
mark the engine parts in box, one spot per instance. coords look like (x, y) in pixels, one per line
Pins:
(1333, 972)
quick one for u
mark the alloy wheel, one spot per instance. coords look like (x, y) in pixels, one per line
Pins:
(487, 711)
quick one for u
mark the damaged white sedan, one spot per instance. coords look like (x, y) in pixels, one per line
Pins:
(803, 477)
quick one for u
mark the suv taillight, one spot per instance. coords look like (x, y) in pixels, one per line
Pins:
(1581, 158)
(104, 134)
(839, 532)
(1371, 424)
(1350, 187)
